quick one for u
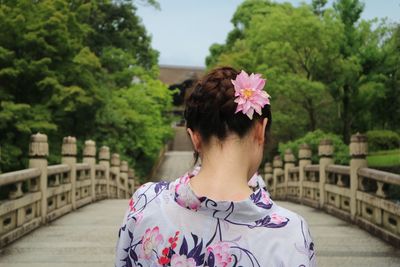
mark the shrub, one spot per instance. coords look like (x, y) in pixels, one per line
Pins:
(341, 150)
(382, 140)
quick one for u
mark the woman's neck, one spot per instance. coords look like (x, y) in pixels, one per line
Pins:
(224, 173)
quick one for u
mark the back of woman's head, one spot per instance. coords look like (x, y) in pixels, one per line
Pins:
(210, 107)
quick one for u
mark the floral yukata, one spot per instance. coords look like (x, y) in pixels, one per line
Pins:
(168, 225)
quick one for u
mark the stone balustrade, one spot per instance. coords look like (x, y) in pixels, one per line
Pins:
(42, 193)
(354, 193)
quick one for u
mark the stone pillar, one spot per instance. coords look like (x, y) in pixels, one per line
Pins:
(131, 180)
(89, 157)
(268, 175)
(304, 160)
(289, 163)
(325, 153)
(104, 160)
(124, 176)
(358, 154)
(115, 167)
(68, 156)
(277, 165)
(38, 153)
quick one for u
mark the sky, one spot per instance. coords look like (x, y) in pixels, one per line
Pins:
(183, 30)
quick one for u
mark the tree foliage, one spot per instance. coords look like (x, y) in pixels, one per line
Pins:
(340, 149)
(326, 68)
(80, 68)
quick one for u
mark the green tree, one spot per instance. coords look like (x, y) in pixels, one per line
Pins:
(318, 6)
(386, 109)
(135, 121)
(45, 66)
(277, 43)
(80, 68)
(326, 68)
(116, 25)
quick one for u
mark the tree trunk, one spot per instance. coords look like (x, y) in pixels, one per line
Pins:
(311, 114)
(346, 114)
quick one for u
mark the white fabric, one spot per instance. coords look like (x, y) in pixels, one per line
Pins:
(168, 225)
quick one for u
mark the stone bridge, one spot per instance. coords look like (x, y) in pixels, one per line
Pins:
(69, 214)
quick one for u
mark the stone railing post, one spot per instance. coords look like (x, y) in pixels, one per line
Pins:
(124, 176)
(38, 153)
(104, 160)
(68, 156)
(115, 166)
(131, 179)
(89, 157)
(268, 175)
(304, 160)
(289, 163)
(277, 165)
(358, 153)
(325, 153)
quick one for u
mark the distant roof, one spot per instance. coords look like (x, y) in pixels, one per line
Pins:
(177, 74)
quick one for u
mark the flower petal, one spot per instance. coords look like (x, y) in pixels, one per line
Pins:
(250, 113)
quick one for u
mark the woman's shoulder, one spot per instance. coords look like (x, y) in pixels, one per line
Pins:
(297, 232)
(294, 217)
(296, 222)
(149, 191)
(146, 194)
(150, 188)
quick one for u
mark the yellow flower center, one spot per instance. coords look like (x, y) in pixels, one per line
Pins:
(247, 93)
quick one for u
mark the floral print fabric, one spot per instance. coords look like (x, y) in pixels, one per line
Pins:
(166, 224)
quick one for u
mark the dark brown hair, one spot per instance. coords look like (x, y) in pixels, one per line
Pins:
(210, 107)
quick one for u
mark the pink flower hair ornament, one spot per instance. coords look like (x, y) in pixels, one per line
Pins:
(249, 93)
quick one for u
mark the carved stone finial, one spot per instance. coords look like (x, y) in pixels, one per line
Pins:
(38, 146)
(289, 157)
(325, 148)
(90, 149)
(358, 146)
(277, 163)
(268, 167)
(68, 147)
(104, 153)
(131, 173)
(304, 151)
(115, 161)
(124, 166)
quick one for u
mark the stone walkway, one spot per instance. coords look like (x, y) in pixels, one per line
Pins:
(83, 238)
(179, 160)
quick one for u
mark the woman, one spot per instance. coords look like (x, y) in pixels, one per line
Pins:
(213, 217)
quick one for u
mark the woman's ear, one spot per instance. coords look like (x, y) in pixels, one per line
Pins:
(260, 131)
(196, 140)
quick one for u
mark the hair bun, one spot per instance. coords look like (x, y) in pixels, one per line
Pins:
(210, 107)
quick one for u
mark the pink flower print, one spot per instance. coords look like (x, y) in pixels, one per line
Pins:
(249, 93)
(265, 197)
(182, 261)
(184, 179)
(185, 198)
(150, 241)
(221, 251)
(132, 205)
(277, 219)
